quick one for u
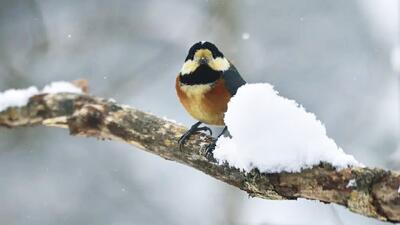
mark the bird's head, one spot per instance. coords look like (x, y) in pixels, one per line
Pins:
(204, 56)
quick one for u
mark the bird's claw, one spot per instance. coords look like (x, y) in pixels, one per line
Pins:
(208, 152)
(182, 140)
(204, 129)
(188, 133)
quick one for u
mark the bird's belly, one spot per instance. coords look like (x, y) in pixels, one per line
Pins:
(200, 110)
(206, 103)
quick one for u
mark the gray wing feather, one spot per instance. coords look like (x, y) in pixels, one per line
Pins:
(233, 80)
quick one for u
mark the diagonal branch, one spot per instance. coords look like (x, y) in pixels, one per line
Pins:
(367, 191)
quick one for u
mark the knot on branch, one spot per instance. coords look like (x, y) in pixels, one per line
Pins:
(89, 120)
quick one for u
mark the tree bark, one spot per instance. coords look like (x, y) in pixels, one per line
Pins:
(370, 192)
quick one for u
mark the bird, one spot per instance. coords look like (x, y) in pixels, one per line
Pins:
(205, 84)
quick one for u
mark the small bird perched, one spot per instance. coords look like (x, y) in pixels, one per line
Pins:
(204, 86)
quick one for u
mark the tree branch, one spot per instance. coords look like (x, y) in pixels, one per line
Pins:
(367, 191)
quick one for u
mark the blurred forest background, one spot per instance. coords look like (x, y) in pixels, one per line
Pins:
(333, 57)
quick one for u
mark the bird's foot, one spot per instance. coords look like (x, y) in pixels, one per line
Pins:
(192, 130)
(208, 151)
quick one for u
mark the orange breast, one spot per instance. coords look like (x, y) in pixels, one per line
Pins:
(206, 103)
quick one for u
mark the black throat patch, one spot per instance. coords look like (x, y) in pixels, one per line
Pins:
(202, 75)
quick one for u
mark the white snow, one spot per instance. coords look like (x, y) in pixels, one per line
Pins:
(20, 97)
(169, 120)
(352, 183)
(395, 59)
(61, 86)
(274, 134)
(398, 190)
(245, 36)
(16, 97)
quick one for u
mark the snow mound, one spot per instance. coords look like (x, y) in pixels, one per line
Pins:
(275, 134)
(16, 97)
(20, 97)
(61, 86)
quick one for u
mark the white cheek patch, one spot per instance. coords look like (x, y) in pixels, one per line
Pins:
(189, 67)
(219, 64)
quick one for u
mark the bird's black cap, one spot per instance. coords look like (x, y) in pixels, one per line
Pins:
(204, 45)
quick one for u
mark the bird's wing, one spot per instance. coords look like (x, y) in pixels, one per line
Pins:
(232, 79)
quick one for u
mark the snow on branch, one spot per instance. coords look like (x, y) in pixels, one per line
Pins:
(274, 134)
(368, 191)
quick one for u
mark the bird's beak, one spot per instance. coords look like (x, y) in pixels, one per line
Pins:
(203, 60)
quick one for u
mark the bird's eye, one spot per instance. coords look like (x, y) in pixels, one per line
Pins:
(190, 54)
(214, 50)
(217, 54)
(193, 50)
(204, 45)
